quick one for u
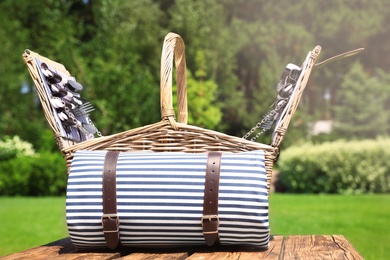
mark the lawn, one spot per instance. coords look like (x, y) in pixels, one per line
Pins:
(27, 222)
(363, 220)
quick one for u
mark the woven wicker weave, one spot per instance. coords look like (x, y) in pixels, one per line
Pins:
(169, 135)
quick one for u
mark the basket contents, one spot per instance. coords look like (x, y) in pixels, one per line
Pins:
(61, 99)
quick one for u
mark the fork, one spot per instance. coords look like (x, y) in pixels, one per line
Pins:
(83, 109)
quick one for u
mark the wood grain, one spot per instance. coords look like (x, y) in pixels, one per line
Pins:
(156, 256)
(290, 247)
(273, 252)
(61, 249)
(318, 247)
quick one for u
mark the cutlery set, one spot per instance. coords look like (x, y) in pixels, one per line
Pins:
(70, 109)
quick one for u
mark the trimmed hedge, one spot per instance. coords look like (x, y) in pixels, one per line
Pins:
(344, 167)
(38, 175)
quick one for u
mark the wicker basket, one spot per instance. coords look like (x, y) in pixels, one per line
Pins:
(169, 134)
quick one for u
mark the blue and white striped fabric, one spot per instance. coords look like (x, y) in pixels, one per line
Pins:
(160, 199)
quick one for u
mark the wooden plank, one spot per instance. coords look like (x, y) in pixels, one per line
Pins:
(156, 256)
(291, 247)
(61, 249)
(347, 247)
(242, 253)
(318, 247)
(275, 247)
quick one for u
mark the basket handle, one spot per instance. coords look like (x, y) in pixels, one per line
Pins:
(173, 46)
(283, 122)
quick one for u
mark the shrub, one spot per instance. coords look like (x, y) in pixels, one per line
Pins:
(14, 147)
(337, 167)
(39, 175)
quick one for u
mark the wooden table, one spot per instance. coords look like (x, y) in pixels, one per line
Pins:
(290, 247)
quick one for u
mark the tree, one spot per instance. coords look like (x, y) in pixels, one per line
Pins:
(120, 64)
(42, 27)
(362, 104)
(202, 26)
(113, 48)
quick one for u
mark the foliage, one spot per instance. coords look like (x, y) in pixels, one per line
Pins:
(113, 48)
(362, 100)
(343, 167)
(14, 147)
(125, 89)
(40, 175)
(202, 26)
(203, 109)
(42, 26)
(46, 142)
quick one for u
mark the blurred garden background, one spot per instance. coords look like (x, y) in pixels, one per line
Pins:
(334, 168)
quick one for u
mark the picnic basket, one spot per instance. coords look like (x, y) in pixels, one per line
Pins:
(169, 134)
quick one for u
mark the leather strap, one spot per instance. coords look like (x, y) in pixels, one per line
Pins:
(210, 219)
(110, 219)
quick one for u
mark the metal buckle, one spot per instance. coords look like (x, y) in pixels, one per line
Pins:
(209, 218)
(110, 217)
(111, 231)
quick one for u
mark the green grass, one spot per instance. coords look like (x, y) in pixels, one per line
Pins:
(29, 222)
(363, 220)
